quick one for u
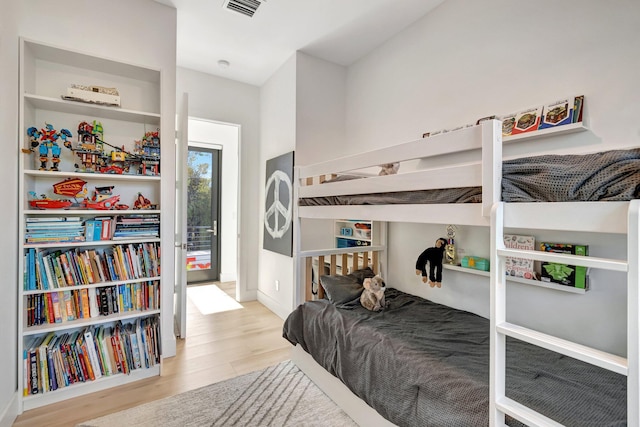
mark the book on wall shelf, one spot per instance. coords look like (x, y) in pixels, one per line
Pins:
(520, 267)
(564, 274)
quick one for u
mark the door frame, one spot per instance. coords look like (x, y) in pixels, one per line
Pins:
(199, 276)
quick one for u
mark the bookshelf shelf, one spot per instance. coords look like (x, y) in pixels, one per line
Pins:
(104, 246)
(516, 279)
(83, 323)
(92, 285)
(79, 389)
(546, 133)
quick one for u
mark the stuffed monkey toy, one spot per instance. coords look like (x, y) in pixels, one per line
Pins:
(372, 297)
(433, 256)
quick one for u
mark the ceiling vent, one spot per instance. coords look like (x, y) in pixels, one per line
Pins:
(245, 7)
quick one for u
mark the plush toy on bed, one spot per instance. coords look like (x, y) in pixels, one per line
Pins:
(433, 256)
(372, 298)
(389, 169)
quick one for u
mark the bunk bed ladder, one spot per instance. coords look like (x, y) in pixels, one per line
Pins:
(500, 405)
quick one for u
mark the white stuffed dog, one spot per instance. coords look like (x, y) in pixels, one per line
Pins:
(372, 297)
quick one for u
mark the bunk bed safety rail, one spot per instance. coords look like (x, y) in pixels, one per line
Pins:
(336, 261)
(500, 328)
(484, 170)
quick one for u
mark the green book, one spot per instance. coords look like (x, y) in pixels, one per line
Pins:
(568, 275)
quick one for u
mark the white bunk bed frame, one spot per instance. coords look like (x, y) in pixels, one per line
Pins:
(595, 217)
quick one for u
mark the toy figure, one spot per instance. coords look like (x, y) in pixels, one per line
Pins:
(142, 202)
(47, 139)
(372, 297)
(433, 256)
(389, 169)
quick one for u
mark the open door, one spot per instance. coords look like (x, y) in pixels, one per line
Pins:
(180, 288)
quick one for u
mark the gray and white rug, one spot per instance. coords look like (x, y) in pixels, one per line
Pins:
(280, 395)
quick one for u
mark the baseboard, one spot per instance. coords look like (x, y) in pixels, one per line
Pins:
(227, 277)
(10, 412)
(355, 407)
(273, 305)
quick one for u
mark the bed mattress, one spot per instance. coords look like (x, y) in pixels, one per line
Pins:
(419, 363)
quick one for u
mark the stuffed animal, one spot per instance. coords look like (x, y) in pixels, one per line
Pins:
(433, 256)
(372, 298)
(389, 169)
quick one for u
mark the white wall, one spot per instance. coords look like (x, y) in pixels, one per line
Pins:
(223, 100)
(277, 137)
(9, 216)
(302, 109)
(226, 136)
(467, 60)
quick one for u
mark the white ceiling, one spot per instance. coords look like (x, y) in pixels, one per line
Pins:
(340, 31)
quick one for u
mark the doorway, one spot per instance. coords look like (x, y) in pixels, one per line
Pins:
(203, 214)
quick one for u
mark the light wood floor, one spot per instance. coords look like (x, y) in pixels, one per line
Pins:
(218, 346)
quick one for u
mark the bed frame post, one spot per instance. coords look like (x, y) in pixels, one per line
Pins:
(299, 280)
(491, 164)
(633, 317)
(498, 291)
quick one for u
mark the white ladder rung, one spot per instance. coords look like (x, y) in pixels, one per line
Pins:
(586, 261)
(577, 351)
(524, 414)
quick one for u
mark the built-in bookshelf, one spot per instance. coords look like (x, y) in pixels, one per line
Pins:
(90, 220)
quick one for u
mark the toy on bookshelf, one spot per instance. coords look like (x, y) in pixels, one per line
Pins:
(46, 139)
(143, 203)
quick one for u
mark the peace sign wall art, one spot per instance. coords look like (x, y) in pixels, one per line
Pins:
(278, 205)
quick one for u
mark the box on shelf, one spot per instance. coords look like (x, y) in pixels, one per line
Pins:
(520, 267)
(476, 263)
(93, 94)
(568, 275)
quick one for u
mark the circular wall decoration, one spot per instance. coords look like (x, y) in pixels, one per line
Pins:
(277, 216)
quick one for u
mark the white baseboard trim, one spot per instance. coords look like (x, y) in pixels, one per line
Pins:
(273, 305)
(355, 407)
(10, 412)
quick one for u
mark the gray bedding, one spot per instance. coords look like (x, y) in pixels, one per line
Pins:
(419, 363)
(605, 176)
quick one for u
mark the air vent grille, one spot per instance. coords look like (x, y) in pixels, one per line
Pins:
(245, 7)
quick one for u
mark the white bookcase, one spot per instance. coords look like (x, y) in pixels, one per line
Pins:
(45, 74)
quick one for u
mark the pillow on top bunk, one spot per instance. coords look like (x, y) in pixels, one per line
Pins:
(341, 289)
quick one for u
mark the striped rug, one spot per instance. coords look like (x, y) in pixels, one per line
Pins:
(280, 395)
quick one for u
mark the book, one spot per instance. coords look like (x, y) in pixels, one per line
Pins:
(520, 267)
(508, 122)
(557, 113)
(564, 274)
(578, 103)
(527, 121)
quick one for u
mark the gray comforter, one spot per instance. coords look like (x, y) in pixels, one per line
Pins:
(419, 363)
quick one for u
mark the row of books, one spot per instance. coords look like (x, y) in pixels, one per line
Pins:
(50, 269)
(54, 361)
(561, 112)
(59, 229)
(563, 274)
(67, 306)
(73, 229)
(558, 113)
(136, 227)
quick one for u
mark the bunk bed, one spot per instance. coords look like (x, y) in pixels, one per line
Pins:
(618, 214)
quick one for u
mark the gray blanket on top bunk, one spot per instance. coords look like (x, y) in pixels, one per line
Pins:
(419, 363)
(605, 176)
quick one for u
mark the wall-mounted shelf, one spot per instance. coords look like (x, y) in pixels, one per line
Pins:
(545, 133)
(517, 280)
